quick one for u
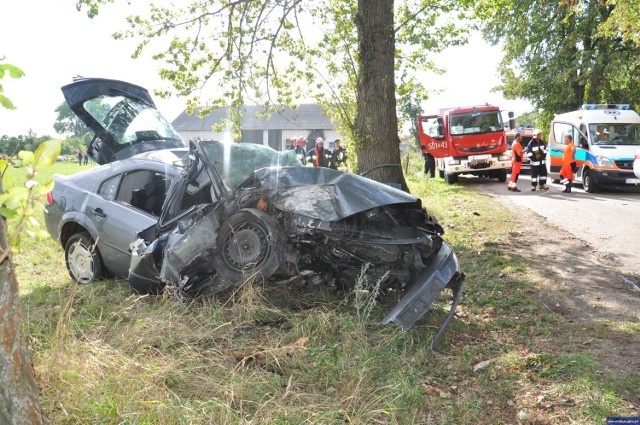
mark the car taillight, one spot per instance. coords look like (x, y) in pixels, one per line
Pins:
(50, 198)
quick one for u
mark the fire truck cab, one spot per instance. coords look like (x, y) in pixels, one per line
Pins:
(467, 140)
(606, 139)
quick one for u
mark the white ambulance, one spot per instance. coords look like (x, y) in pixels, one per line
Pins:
(606, 139)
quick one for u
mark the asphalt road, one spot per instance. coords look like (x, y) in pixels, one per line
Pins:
(608, 221)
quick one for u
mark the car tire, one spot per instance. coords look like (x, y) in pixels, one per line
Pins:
(441, 174)
(83, 259)
(587, 182)
(502, 176)
(251, 246)
(450, 178)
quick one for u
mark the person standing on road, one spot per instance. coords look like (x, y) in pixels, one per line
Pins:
(516, 163)
(429, 165)
(536, 152)
(568, 163)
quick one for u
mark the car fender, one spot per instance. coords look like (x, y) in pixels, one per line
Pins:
(76, 218)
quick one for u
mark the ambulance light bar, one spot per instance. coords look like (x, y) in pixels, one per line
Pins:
(592, 106)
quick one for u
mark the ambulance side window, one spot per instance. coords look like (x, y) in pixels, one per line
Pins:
(561, 129)
(582, 140)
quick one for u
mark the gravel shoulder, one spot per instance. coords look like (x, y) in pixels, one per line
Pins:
(586, 287)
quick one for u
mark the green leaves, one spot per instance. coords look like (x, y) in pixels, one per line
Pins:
(14, 72)
(18, 202)
(47, 153)
(555, 56)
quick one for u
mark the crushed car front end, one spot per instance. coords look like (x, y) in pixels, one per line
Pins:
(248, 212)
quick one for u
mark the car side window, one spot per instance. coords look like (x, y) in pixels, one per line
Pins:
(109, 188)
(143, 189)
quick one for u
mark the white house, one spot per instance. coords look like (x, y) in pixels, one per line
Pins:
(308, 120)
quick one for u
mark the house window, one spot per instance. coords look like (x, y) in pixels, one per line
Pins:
(252, 136)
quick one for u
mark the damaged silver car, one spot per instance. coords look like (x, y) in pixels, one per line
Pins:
(238, 211)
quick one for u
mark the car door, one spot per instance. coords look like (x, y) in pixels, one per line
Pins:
(432, 136)
(123, 118)
(124, 206)
(556, 146)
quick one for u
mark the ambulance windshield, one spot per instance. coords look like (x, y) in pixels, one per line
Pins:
(615, 134)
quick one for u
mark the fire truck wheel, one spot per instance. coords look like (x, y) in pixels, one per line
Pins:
(502, 176)
(450, 178)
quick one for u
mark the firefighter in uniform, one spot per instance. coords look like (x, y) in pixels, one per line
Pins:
(301, 152)
(516, 163)
(339, 155)
(319, 155)
(536, 152)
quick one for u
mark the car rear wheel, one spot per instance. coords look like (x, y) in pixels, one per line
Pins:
(251, 245)
(587, 182)
(83, 259)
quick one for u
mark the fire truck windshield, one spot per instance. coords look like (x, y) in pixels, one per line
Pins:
(475, 123)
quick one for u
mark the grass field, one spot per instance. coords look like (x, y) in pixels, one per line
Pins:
(292, 355)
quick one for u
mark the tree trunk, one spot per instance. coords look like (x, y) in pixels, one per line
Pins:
(18, 391)
(376, 122)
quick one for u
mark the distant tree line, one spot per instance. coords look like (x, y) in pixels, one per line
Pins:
(77, 135)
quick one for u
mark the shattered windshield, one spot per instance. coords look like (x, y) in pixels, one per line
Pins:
(615, 134)
(235, 162)
(475, 123)
(129, 121)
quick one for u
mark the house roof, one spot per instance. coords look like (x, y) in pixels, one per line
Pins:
(306, 116)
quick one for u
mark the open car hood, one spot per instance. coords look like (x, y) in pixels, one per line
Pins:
(122, 116)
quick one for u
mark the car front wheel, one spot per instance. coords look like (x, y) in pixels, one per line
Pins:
(83, 259)
(251, 244)
(587, 182)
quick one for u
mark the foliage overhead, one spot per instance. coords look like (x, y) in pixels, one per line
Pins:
(623, 21)
(13, 72)
(277, 53)
(555, 57)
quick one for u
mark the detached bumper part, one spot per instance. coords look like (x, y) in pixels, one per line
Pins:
(443, 272)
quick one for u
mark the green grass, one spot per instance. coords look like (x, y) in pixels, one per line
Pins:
(291, 355)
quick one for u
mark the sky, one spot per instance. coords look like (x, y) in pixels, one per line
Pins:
(52, 42)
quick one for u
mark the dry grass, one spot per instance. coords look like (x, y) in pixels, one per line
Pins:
(292, 354)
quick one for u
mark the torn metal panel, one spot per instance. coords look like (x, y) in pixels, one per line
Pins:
(325, 194)
(192, 241)
(426, 288)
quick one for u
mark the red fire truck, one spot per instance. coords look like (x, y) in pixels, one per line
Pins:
(467, 140)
